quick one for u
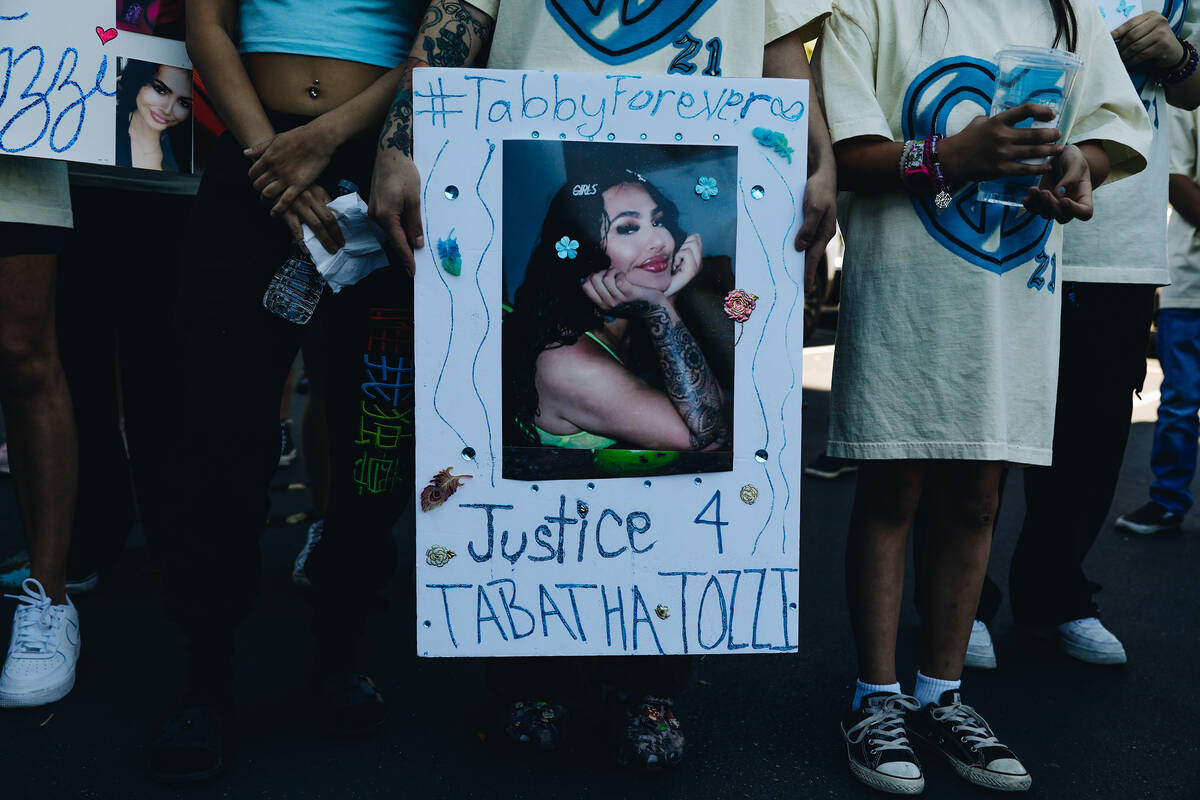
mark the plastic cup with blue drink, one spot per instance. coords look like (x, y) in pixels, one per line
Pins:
(1030, 75)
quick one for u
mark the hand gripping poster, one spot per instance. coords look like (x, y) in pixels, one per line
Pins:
(98, 81)
(608, 319)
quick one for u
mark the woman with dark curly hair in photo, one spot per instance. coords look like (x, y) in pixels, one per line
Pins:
(596, 351)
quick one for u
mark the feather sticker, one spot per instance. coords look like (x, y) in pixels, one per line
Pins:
(440, 489)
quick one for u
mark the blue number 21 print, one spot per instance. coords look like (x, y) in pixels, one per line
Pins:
(58, 104)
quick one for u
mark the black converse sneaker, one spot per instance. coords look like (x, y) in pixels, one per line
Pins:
(967, 742)
(1148, 519)
(877, 744)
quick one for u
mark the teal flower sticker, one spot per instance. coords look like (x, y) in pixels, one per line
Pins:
(567, 247)
(706, 187)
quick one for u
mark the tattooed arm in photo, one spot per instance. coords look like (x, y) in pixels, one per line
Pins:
(582, 386)
(689, 381)
(451, 34)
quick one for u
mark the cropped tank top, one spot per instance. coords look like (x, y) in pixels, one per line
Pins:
(378, 32)
(581, 440)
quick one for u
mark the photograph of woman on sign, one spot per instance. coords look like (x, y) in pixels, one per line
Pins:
(154, 109)
(617, 356)
(152, 17)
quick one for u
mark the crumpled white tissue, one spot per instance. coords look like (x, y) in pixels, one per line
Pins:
(363, 253)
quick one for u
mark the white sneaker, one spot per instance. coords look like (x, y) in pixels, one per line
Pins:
(40, 667)
(1088, 640)
(299, 577)
(981, 653)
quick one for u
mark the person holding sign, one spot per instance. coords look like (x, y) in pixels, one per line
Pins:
(576, 321)
(302, 87)
(718, 38)
(947, 355)
(35, 214)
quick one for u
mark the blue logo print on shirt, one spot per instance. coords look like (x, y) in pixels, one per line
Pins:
(620, 31)
(997, 238)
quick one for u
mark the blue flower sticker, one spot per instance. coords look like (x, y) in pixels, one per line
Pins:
(706, 187)
(567, 247)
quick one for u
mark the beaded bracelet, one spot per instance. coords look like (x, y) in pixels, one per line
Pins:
(921, 170)
(911, 160)
(1184, 69)
(941, 193)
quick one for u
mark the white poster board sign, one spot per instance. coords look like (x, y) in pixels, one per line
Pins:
(60, 61)
(583, 530)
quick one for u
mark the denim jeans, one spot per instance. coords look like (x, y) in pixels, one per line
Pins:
(1173, 458)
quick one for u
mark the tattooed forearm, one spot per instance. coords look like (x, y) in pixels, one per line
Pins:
(689, 382)
(397, 128)
(451, 35)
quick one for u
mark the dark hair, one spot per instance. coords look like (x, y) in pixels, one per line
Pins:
(550, 308)
(175, 140)
(135, 75)
(1066, 25)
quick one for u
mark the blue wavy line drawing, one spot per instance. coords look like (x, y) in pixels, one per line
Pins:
(787, 346)
(437, 271)
(771, 486)
(486, 309)
(754, 361)
(17, 18)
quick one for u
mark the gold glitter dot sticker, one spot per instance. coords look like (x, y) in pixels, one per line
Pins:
(662, 611)
(438, 556)
(749, 494)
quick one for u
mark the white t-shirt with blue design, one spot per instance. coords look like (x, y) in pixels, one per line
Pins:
(948, 335)
(1126, 240)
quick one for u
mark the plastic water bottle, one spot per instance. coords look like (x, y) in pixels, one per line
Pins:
(295, 288)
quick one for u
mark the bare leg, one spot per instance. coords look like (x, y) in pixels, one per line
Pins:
(39, 416)
(963, 498)
(885, 502)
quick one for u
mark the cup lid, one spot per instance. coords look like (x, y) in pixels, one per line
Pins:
(1041, 56)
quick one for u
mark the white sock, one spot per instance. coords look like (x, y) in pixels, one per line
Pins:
(861, 690)
(929, 690)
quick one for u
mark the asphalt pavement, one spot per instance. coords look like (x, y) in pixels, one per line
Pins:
(762, 726)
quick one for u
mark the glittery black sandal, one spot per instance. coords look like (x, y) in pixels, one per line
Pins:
(651, 739)
(535, 724)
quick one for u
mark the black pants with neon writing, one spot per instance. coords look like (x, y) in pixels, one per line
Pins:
(235, 358)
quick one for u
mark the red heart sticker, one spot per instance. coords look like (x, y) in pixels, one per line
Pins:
(106, 36)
